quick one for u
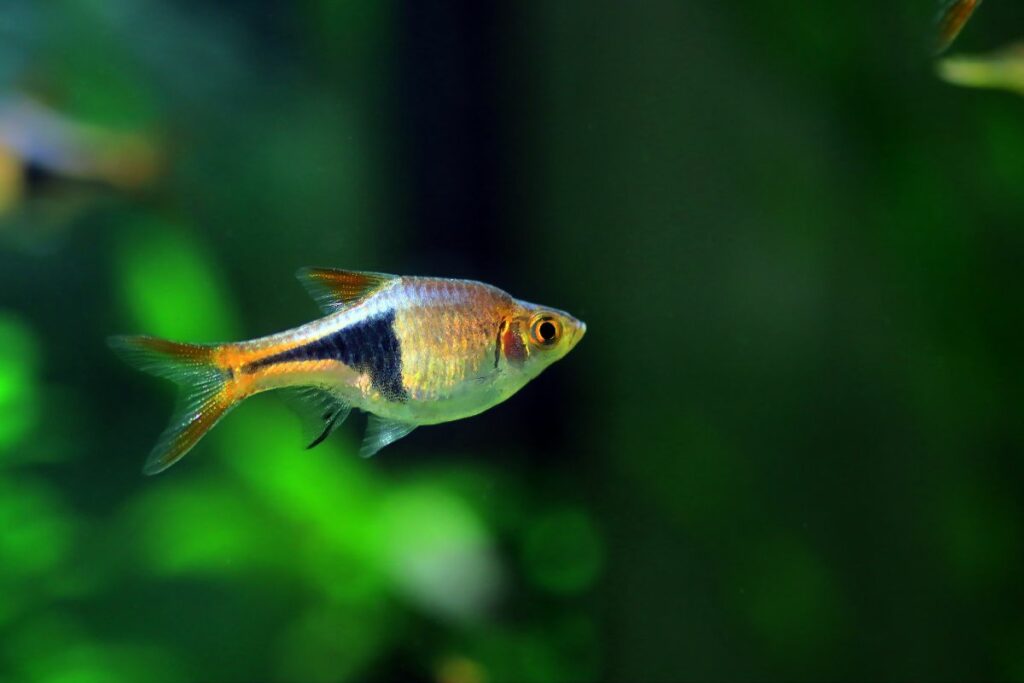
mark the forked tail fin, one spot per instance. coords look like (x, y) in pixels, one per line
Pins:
(204, 397)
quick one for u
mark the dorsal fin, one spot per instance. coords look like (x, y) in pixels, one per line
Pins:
(336, 290)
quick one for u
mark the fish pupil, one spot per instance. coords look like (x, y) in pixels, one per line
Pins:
(547, 331)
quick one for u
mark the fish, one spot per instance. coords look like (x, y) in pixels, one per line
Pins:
(953, 16)
(1001, 70)
(50, 142)
(409, 351)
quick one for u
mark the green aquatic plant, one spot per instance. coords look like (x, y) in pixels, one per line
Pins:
(563, 551)
(19, 385)
(164, 271)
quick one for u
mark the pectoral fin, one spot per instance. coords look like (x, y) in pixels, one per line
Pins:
(380, 432)
(336, 290)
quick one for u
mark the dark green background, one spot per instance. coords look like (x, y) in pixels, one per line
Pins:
(788, 448)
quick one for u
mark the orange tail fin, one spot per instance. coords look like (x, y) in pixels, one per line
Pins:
(204, 397)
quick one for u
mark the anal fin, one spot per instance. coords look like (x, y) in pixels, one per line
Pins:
(320, 410)
(380, 432)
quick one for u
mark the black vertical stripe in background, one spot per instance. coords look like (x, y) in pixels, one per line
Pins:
(449, 121)
(459, 120)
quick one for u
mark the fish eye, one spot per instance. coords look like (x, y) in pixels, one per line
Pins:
(545, 330)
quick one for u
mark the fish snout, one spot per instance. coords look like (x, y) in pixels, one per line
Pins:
(578, 330)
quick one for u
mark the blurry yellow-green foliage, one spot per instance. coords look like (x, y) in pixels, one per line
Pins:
(789, 447)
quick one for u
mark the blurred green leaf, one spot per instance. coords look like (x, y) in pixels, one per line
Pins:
(564, 551)
(791, 599)
(326, 645)
(52, 648)
(38, 529)
(438, 552)
(170, 286)
(323, 499)
(200, 528)
(980, 532)
(526, 657)
(691, 470)
(18, 383)
(103, 82)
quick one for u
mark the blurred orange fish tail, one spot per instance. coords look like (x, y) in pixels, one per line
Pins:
(951, 20)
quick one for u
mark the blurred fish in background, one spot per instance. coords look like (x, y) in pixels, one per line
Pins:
(1001, 69)
(56, 144)
(44, 153)
(953, 16)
